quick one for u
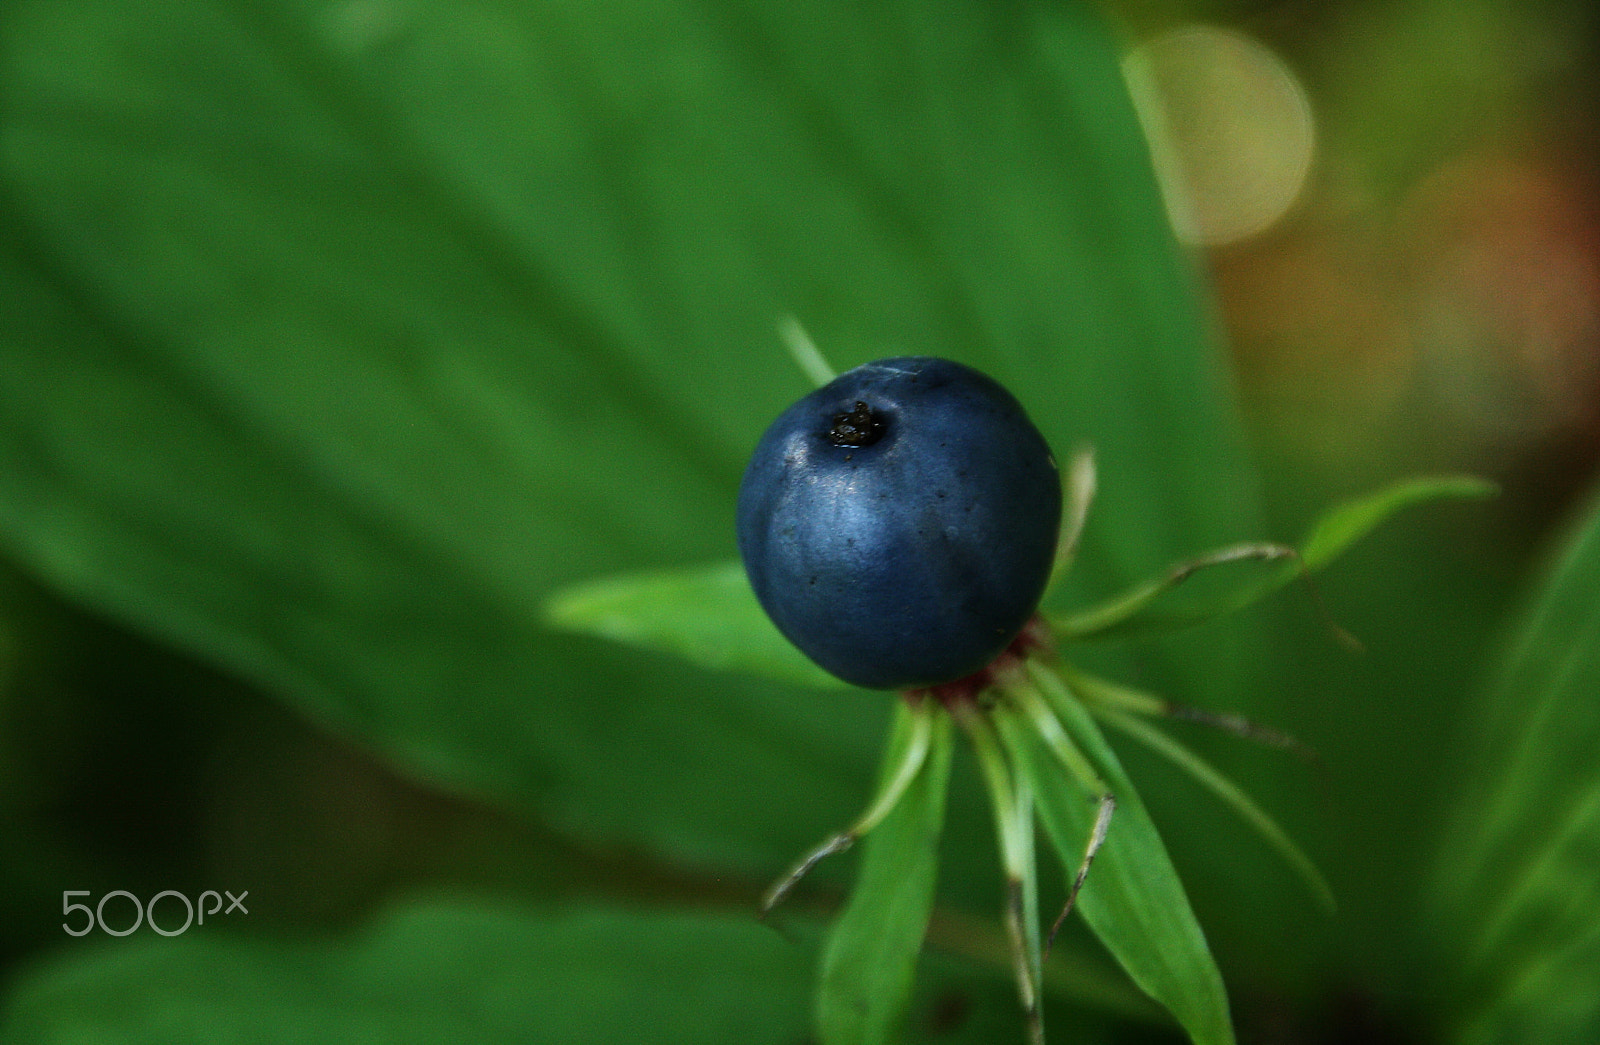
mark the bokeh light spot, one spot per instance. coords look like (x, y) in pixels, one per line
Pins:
(1230, 129)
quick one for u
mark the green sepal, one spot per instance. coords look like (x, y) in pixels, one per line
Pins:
(1227, 792)
(708, 615)
(1151, 606)
(1132, 899)
(1341, 526)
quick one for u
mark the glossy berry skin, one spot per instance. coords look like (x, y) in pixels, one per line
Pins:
(899, 523)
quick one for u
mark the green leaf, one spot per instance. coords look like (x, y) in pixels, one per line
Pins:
(1132, 898)
(338, 336)
(430, 972)
(1343, 525)
(871, 952)
(1518, 899)
(1146, 606)
(707, 615)
(1226, 791)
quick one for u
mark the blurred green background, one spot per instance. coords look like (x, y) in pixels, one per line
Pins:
(335, 336)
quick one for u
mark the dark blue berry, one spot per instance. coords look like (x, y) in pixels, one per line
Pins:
(899, 523)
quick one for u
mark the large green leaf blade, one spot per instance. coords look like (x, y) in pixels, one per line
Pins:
(340, 342)
(430, 972)
(872, 947)
(1518, 899)
(1132, 898)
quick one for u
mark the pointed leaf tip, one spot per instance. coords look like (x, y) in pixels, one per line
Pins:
(1340, 527)
(1151, 604)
